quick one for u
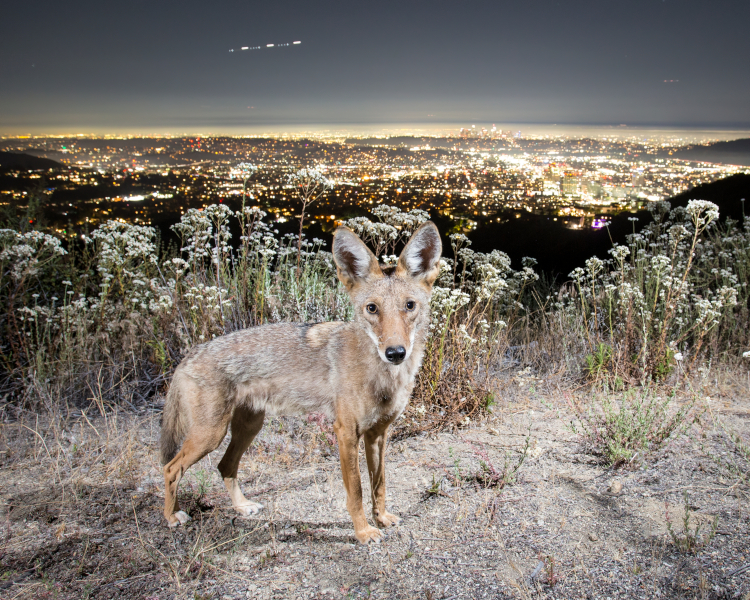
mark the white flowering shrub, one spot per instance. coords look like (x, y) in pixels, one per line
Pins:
(392, 229)
(125, 257)
(474, 298)
(28, 265)
(672, 289)
(24, 255)
(117, 314)
(110, 316)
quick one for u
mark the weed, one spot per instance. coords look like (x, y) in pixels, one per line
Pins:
(689, 540)
(488, 476)
(488, 402)
(549, 570)
(434, 489)
(457, 476)
(621, 427)
(664, 364)
(597, 362)
(266, 558)
(203, 478)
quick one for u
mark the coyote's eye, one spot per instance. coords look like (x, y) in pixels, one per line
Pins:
(411, 305)
(372, 308)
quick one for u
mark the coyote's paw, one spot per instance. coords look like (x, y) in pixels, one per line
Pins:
(369, 534)
(248, 508)
(386, 519)
(179, 518)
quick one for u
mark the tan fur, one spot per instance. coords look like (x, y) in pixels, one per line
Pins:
(339, 369)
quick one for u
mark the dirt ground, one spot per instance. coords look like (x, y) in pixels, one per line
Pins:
(81, 501)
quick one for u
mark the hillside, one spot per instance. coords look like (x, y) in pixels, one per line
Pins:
(14, 160)
(734, 152)
(532, 461)
(567, 523)
(726, 193)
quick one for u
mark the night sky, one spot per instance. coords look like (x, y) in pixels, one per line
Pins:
(102, 66)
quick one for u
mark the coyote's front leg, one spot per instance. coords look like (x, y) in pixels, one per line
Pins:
(375, 441)
(349, 455)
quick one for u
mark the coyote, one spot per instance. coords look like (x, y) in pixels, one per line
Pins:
(359, 373)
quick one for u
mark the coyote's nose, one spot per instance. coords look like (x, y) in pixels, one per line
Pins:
(395, 354)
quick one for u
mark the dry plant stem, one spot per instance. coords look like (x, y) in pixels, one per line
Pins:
(310, 188)
(670, 302)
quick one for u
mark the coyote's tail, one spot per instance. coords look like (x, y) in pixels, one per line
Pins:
(173, 424)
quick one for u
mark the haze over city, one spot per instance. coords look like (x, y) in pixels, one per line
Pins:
(485, 114)
(167, 67)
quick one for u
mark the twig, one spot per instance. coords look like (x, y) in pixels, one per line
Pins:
(739, 570)
(83, 414)
(39, 436)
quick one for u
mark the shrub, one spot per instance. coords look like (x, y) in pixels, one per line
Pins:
(689, 540)
(678, 287)
(109, 317)
(620, 427)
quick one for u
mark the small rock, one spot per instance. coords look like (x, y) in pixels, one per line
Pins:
(615, 487)
(593, 537)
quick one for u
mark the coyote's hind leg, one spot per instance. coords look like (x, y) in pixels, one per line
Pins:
(245, 426)
(200, 441)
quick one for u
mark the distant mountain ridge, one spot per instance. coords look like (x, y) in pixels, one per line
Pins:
(17, 160)
(734, 152)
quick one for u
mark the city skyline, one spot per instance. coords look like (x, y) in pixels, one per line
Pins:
(168, 67)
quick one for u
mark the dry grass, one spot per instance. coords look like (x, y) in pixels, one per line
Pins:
(82, 495)
(501, 497)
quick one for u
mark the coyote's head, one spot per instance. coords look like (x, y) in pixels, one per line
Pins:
(392, 303)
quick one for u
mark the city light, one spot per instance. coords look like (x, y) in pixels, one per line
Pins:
(475, 176)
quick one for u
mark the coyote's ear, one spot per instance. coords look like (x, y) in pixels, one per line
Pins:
(354, 261)
(421, 256)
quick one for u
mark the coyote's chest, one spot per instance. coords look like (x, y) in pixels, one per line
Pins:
(391, 389)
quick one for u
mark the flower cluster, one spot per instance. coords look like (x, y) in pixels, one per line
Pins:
(27, 253)
(393, 228)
